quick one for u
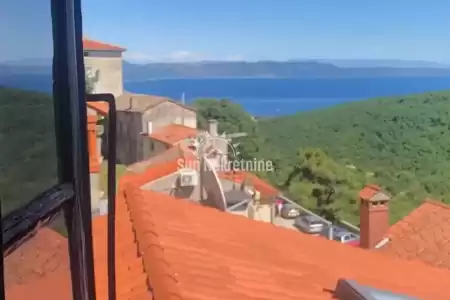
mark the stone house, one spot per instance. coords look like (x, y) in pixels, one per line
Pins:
(148, 125)
(104, 63)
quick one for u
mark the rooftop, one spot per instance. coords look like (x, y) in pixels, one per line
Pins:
(142, 102)
(101, 107)
(92, 45)
(173, 133)
(422, 235)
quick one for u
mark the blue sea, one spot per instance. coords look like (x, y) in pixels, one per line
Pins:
(280, 96)
(268, 96)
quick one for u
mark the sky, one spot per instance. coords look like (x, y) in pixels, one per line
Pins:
(181, 30)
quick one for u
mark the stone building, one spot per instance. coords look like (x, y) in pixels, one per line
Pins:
(104, 63)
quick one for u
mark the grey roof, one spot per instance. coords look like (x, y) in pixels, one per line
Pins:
(138, 102)
(142, 102)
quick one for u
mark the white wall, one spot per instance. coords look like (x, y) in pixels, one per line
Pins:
(110, 67)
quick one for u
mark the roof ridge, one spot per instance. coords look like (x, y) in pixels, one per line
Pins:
(149, 246)
(405, 220)
(435, 202)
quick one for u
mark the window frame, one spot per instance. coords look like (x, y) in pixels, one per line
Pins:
(72, 148)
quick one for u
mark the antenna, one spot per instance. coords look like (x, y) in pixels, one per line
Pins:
(182, 111)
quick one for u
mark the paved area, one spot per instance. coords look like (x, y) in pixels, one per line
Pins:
(287, 223)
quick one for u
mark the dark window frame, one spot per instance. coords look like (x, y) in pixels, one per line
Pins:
(72, 156)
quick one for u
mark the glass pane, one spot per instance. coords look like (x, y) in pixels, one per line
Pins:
(27, 138)
(38, 266)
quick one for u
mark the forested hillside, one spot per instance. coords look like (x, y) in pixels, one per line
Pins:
(27, 146)
(324, 157)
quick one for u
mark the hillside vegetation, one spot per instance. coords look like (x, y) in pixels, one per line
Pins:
(27, 146)
(324, 157)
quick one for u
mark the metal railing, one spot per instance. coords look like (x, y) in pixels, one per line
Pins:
(350, 227)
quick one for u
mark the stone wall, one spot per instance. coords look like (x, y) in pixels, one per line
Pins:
(108, 66)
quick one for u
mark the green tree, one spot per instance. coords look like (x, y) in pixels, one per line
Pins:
(90, 81)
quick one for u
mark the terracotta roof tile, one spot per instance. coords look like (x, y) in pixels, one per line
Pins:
(239, 176)
(39, 268)
(101, 107)
(422, 235)
(173, 133)
(130, 276)
(194, 252)
(99, 46)
(171, 154)
(180, 250)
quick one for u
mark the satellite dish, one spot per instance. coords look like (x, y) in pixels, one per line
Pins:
(212, 185)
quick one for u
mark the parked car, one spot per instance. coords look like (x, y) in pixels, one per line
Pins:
(309, 224)
(290, 211)
(344, 236)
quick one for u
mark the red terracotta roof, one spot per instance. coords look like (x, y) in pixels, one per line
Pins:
(131, 278)
(39, 268)
(188, 251)
(101, 107)
(260, 185)
(422, 235)
(171, 154)
(195, 252)
(369, 191)
(173, 133)
(99, 46)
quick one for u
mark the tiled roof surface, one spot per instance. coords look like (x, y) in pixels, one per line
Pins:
(39, 268)
(142, 102)
(173, 249)
(171, 154)
(131, 278)
(101, 107)
(99, 46)
(422, 235)
(173, 133)
(194, 252)
(239, 176)
(138, 102)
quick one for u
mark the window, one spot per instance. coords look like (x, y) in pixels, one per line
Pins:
(351, 290)
(37, 176)
(152, 146)
(28, 155)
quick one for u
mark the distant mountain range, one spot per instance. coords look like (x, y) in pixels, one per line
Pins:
(298, 69)
(293, 68)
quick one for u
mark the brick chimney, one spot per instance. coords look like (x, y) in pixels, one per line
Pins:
(94, 162)
(374, 216)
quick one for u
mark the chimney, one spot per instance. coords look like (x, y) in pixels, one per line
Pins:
(374, 216)
(213, 127)
(94, 162)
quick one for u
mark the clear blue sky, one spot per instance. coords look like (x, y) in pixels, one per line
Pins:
(244, 29)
